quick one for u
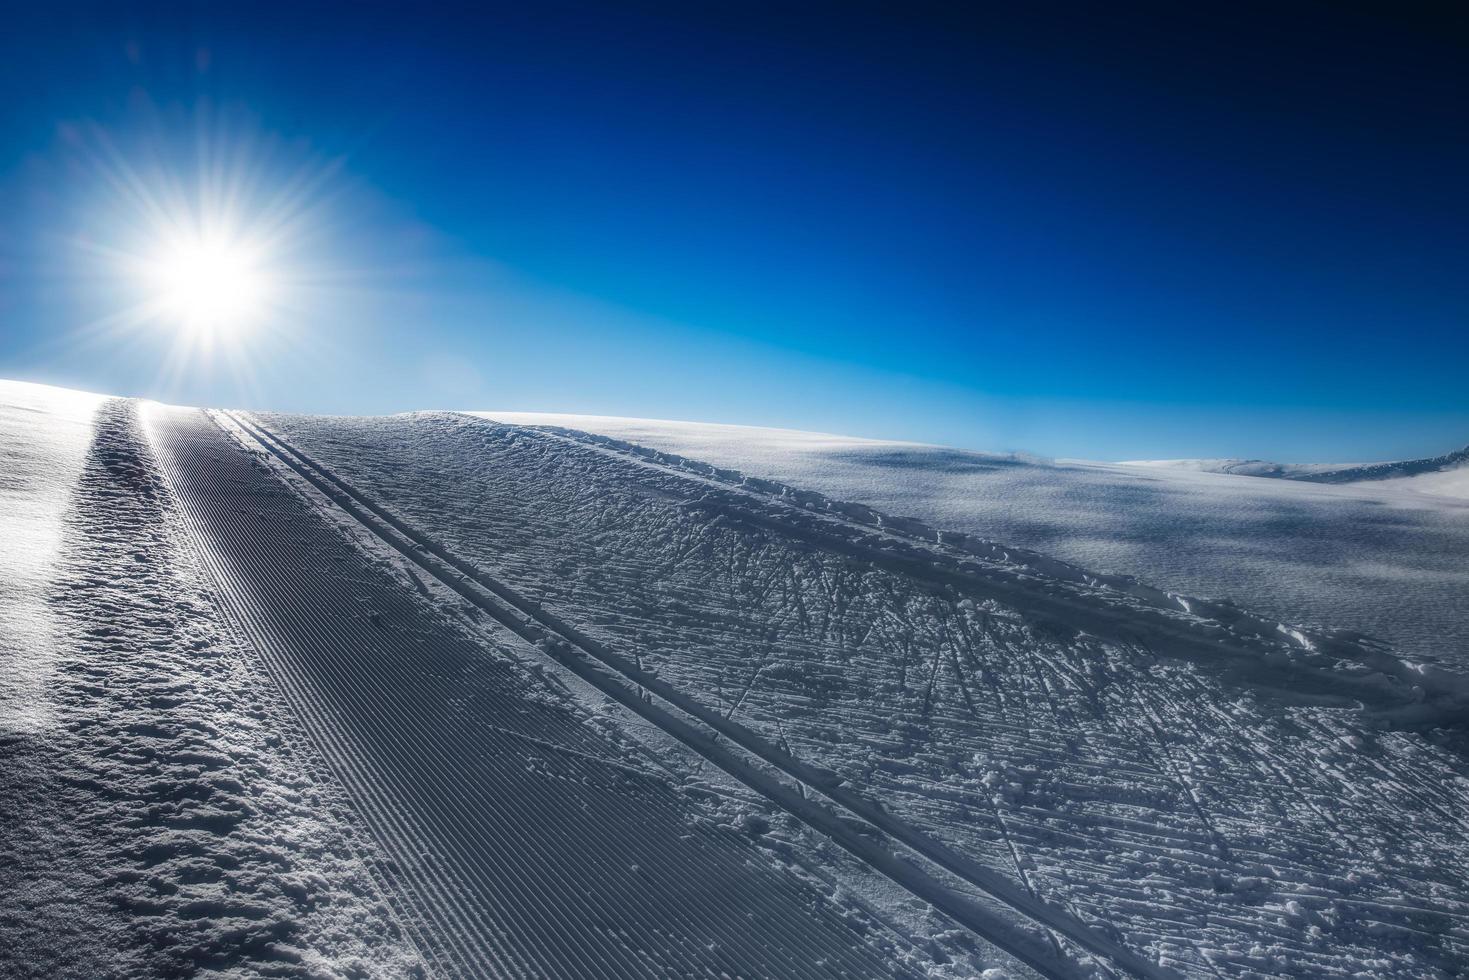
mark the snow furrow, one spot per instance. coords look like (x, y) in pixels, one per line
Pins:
(1027, 905)
(171, 818)
(515, 858)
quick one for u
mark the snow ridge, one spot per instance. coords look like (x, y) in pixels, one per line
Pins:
(1316, 472)
(1397, 691)
(1388, 471)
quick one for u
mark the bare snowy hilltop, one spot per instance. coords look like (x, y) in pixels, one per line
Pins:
(493, 694)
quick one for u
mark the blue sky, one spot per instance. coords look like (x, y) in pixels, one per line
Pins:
(1077, 232)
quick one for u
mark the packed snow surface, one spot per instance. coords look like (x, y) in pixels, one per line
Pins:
(521, 836)
(1210, 817)
(1379, 557)
(436, 695)
(161, 814)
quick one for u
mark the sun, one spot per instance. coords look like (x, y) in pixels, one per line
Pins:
(210, 286)
(205, 242)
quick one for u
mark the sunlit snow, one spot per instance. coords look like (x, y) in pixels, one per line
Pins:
(458, 694)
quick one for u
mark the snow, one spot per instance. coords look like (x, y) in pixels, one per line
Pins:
(1446, 475)
(1447, 483)
(44, 434)
(702, 440)
(160, 812)
(1221, 821)
(1238, 467)
(304, 696)
(521, 838)
(1377, 557)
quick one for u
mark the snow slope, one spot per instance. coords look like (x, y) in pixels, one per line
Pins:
(435, 695)
(1219, 816)
(1452, 482)
(160, 813)
(1239, 467)
(44, 434)
(522, 837)
(234, 746)
(1374, 557)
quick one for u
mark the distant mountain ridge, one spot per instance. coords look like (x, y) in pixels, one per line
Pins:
(1388, 471)
(1316, 472)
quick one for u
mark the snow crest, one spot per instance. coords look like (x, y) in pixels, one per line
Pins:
(1403, 691)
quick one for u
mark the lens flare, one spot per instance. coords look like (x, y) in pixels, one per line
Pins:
(209, 285)
(205, 243)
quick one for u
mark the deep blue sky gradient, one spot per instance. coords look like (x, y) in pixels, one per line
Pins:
(1085, 230)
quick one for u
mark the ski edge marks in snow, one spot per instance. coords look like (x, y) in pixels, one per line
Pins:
(691, 724)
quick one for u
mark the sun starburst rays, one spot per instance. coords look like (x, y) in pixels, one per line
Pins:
(211, 256)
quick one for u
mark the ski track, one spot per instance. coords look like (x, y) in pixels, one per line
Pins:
(520, 840)
(1216, 829)
(166, 818)
(1011, 918)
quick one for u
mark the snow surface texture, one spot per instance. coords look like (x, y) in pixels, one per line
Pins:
(158, 809)
(922, 867)
(44, 434)
(523, 838)
(431, 694)
(1378, 557)
(1239, 467)
(1211, 824)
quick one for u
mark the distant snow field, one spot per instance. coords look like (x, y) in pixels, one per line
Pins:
(1388, 557)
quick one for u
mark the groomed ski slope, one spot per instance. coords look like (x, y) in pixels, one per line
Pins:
(1387, 558)
(520, 839)
(995, 910)
(435, 695)
(1220, 816)
(161, 812)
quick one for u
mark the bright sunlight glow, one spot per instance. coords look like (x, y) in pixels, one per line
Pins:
(199, 243)
(209, 286)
